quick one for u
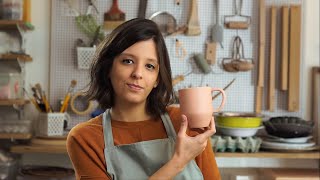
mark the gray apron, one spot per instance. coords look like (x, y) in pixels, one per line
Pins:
(142, 159)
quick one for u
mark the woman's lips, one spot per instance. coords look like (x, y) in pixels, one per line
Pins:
(135, 87)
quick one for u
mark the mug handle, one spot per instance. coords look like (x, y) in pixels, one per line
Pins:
(223, 98)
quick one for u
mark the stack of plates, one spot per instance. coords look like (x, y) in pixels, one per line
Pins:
(237, 132)
(289, 144)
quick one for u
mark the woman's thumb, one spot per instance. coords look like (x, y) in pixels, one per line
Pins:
(184, 125)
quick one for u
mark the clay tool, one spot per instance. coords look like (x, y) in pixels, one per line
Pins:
(217, 29)
(211, 52)
(193, 22)
(237, 62)
(233, 22)
(92, 6)
(202, 63)
(166, 22)
(114, 17)
(225, 88)
(180, 50)
(68, 96)
(180, 78)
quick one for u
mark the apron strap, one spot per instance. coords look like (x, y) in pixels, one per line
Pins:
(168, 125)
(107, 129)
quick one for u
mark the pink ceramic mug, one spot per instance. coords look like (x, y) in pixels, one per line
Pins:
(196, 104)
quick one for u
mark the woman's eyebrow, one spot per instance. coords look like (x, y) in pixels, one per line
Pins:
(155, 60)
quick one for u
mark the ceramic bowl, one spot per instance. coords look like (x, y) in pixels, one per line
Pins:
(288, 127)
(238, 132)
(238, 120)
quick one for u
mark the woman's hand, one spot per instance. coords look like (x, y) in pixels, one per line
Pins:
(187, 147)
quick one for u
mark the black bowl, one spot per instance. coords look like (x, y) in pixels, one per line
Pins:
(288, 127)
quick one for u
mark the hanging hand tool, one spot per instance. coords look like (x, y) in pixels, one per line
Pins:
(225, 88)
(232, 22)
(217, 29)
(142, 8)
(180, 50)
(180, 78)
(92, 5)
(193, 22)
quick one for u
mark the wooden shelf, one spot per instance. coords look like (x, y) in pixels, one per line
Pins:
(12, 24)
(63, 150)
(18, 136)
(22, 57)
(10, 102)
(283, 155)
(39, 149)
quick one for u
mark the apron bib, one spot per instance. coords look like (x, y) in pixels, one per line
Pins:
(142, 159)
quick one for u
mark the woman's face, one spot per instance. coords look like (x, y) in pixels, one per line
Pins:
(135, 72)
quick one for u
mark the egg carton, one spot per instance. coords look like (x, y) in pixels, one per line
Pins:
(236, 144)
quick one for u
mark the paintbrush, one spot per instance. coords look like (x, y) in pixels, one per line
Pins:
(68, 96)
(114, 17)
(33, 100)
(44, 98)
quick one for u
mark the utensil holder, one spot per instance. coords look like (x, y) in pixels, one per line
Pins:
(52, 124)
(85, 56)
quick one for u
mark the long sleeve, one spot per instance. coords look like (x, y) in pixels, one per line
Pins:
(85, 151)
(207, 163)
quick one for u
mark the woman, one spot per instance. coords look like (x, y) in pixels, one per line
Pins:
(139, 136)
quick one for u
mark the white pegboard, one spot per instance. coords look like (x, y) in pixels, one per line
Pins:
(240, 96)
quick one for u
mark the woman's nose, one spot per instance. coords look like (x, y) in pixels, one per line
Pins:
(137, 73)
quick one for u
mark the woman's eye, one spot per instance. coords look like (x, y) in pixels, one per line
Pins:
(127, 61)
(150, 66)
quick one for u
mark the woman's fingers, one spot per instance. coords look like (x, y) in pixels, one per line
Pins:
(208, 133)
(183, 126)
(212, 125)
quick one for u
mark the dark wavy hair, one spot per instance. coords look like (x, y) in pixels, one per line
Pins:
(124, 36)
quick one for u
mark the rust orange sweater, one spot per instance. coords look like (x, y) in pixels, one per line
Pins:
(85, 144)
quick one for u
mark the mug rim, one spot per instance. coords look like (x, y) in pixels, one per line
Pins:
(202, 87)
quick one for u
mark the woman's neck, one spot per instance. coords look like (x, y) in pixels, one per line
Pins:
(129, 113)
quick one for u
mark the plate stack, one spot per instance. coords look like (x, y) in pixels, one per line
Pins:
(238, 124)
(288, 134)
